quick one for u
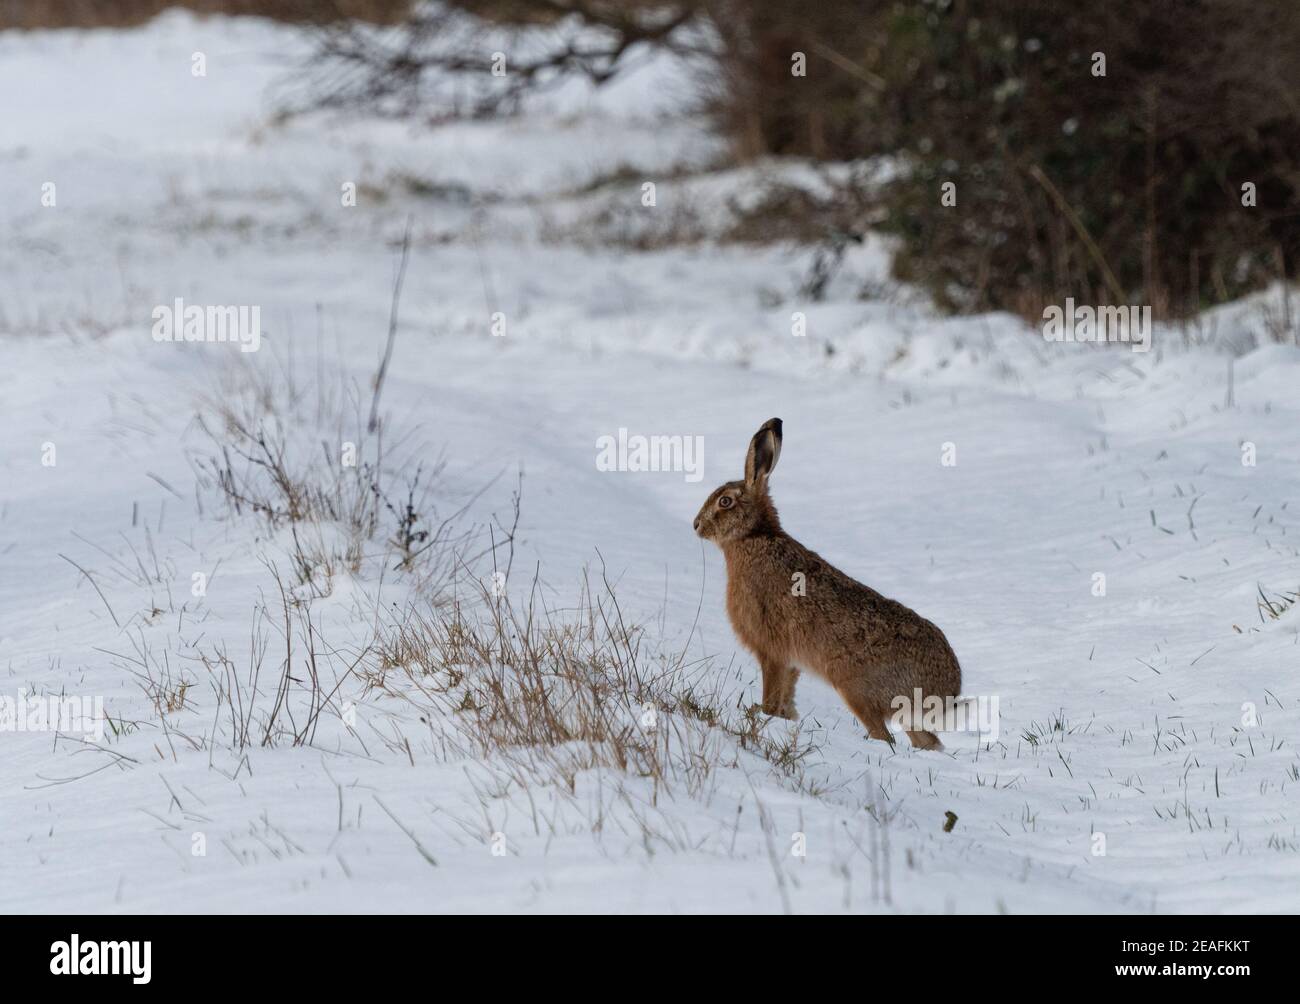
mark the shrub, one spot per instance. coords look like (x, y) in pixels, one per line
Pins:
(1123, 188)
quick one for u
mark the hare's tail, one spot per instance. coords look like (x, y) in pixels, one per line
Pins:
(978, 715)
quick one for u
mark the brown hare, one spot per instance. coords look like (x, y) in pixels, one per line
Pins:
(794, 611)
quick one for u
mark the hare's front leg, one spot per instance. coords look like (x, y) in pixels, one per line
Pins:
(779, 680)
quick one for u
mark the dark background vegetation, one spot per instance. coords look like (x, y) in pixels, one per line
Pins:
(1125, 188)
(124, 13)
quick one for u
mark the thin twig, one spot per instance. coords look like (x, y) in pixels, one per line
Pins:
(93, 583)
(415, 840)
(392, 329)
(1112, 283)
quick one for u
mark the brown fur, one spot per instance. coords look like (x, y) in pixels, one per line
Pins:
(870, 648)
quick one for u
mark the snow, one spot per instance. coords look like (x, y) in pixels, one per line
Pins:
(1071, 460)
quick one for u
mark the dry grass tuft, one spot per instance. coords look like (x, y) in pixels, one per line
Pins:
(301, 457)
(565, 692)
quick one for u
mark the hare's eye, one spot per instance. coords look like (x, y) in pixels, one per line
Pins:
(724, 502)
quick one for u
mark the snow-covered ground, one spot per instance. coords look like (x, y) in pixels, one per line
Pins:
(1146, 757)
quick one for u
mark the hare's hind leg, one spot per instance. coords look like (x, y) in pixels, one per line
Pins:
(872, 717)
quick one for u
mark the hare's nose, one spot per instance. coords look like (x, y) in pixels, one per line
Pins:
(696, 524)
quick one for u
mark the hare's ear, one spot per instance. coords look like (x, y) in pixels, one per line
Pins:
(764, 451)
